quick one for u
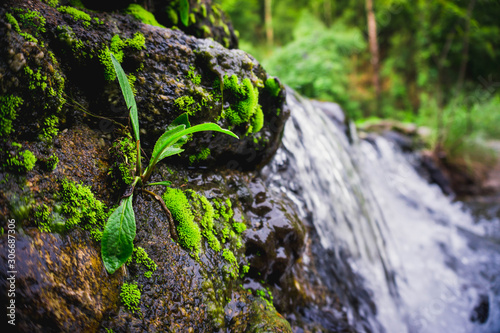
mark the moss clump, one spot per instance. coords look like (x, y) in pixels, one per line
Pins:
(240, 227)
(187, 104)
(272, 86)
(141, 257)
(123, 152)
(21, 161)
(51, 3)
(82, 208)
(131, 296)
(206, 213)
(38, 80)
(77, 14)
(8, 112)
(233, 267)
(51, 162)
(201, 156)
(257, 121)
(50, 130)
(117, 46)
(246, 98)
(142, 15)
(42, 217)
(196, 79)
(188, 231)
(30, 19)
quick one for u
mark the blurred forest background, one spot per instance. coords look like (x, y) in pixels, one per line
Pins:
(433, 63)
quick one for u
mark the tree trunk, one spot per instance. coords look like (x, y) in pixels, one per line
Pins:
(268, 17)
(465, 50)
(372, 39)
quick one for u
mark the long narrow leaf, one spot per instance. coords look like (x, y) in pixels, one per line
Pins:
(164, 183)
(128, 95)
(118, 236)
(174, 136)
(160, 143)
(184, 11)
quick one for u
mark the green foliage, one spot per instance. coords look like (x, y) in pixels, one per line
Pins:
(131, 296)
(187, 104)
(119, 231)
(245, 97)
(188, 231)
(8, 112)
(233, 263)
(184, 12)
(21, 161)
(42, 217)
(118, 237)
(116, 48)
(320, 58)
(240, 227)
(77, 14)
(142, 14)
(273, 86)
(196, 79)
(141, 257)
(51, 162)
(81, 208)
(201, 156)
(51, 3)
(50, 129)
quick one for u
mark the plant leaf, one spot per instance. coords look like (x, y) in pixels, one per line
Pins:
(183, 119)
(165, 183)
(170, 137)
(184, 12)
(117, 242)
(128, 95)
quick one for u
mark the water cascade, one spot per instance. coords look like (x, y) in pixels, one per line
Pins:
(398, 252)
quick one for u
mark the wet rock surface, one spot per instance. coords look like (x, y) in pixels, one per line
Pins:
(68, 115)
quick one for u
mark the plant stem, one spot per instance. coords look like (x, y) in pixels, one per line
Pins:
(138, 170)
(171, 224)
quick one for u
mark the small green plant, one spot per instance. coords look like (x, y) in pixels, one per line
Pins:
(119, 231)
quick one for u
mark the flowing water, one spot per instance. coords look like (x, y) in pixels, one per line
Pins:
(408, 258)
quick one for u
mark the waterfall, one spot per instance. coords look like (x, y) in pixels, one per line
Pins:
(426, 265)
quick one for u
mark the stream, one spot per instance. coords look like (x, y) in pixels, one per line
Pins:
(400, 255)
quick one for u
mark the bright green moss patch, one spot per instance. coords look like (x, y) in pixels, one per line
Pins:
(257, 121)
(50, 129)
(273, 86)
(51, 3)
(77, 14)
(187, 104)
(42, 217)
(117, 46)
(51, 162)
(143, 15)
(82, 208)
(188, 231)
(141, 257)
(131, 296)
(123, 152)
(246, 100)
(196, 79)
(240, 227)
(22, 161)
(233, 267)
(201, 156)
(8, 112)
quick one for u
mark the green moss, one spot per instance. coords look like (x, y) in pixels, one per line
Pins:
(51, 3)
(51, 162)
(131, 80)
(138, 42)
(38, 80)
(31, 19)
(201, 156)
(50, 129)
(192, 18)
(206, 31)
(207, 222)
(257, 121)
(273, 86)
(13, 22)
(233, 267)
(188, 231)
(246, 98)
(196, 79)
(240, 227)
(124, 155)
(8, 112)
(141, 257)
(143, 15)
(203, 10)
(187, 104)
(42, 218)
(77, 14)
(21, 161)
(82, 208)
(77, 3)
(131, 296)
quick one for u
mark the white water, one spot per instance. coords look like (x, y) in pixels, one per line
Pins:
(426, 262)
